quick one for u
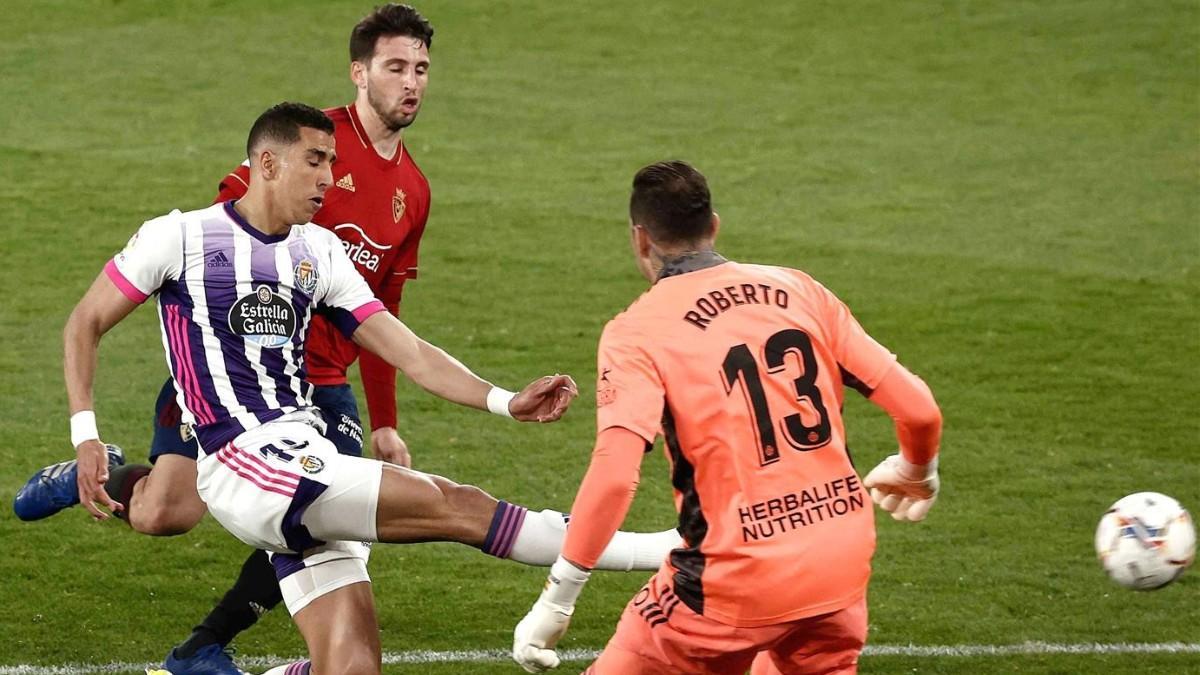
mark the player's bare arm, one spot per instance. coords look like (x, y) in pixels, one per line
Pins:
(543, 400)
(101, 308)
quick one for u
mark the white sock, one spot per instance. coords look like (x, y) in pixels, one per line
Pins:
(541, 535)
(638, 550)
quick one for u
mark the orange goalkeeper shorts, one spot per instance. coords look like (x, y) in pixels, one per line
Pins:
(659, 635)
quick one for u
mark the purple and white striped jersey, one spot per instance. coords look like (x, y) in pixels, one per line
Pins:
(235, 306)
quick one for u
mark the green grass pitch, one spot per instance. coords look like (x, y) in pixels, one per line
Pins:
(1007, 193)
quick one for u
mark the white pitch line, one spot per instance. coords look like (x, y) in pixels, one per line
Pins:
(500, 655)
(1029, 648)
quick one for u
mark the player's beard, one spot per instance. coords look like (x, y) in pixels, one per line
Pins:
(393, 121)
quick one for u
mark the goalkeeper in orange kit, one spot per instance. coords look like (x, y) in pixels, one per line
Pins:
(742, 369)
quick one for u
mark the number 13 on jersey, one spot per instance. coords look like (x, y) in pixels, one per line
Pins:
(741, 368)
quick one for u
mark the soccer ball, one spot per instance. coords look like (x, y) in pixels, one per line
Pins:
(1145, 541)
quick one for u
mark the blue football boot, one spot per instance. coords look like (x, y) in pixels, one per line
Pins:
(53, 488)
(208, 660)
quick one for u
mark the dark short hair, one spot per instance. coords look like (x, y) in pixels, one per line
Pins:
(388, 20)
(671, 200)
(282, 123)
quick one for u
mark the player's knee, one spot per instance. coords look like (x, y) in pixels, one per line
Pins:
(150, 518)
(156, 519)
(162, 517)
(466, 500)
(415, 506)
(469, 513)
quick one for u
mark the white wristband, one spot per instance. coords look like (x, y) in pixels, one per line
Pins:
(83, 427)
(497, 401)
(907, 469)
(565, 583)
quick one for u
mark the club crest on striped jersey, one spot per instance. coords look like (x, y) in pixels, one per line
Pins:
(263, 318)
(306, 276)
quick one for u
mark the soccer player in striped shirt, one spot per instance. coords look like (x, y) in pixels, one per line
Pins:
(741, 368)
(378, 207)
(234, 339)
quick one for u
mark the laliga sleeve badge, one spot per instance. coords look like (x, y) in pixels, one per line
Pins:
(311, 464)
(605, 391)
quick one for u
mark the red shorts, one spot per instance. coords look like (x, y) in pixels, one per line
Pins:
(659, 635)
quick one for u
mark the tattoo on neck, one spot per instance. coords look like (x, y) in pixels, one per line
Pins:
(689, 261)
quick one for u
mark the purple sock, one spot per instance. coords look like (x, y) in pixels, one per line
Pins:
(506, 523)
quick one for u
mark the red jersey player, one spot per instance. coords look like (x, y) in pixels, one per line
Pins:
(378, 207)
(742, 369)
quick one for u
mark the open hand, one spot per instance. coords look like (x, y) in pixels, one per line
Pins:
(91, 475)
(545, 399)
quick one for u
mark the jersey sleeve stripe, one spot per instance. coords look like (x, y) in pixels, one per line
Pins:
(851, 380)
(348, 321)
(372, 307)
(124, 285)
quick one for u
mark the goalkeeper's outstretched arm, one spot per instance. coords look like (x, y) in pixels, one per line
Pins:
(906, 484)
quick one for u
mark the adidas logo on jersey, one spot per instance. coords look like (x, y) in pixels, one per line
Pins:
(218, 259)
(346, 183)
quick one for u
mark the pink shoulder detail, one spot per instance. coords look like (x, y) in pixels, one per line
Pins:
(124, 285)
(364, 311)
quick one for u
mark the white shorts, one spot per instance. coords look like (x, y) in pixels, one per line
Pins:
(284, 488)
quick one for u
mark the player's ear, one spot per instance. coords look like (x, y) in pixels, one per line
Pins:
(268, 163)
(358, 74)
(716, 226)
(641, 241)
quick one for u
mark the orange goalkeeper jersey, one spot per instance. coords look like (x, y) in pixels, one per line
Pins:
(742, 369)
